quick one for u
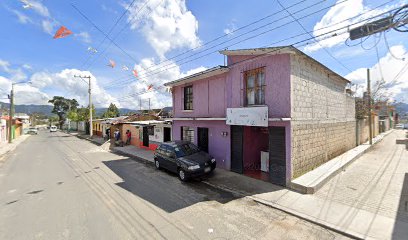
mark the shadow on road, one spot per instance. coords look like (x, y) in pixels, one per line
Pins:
(164, 189)
(400, 230)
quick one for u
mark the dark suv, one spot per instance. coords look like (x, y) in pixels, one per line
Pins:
(183, 158)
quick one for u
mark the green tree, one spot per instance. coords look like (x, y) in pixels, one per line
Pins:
(62, 106)
(111, 112)
(83, 113)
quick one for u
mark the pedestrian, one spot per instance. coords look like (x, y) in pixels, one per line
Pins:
(129, 137)
(107, 133)
(117, 135)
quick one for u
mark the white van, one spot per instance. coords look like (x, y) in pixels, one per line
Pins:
(53, 129)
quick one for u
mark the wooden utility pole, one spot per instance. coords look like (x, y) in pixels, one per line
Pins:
(369, 107)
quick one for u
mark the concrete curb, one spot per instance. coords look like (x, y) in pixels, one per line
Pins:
(14, 145)
(313, 189)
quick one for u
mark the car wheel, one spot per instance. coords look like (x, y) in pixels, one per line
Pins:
(157, 164)
(182, 175)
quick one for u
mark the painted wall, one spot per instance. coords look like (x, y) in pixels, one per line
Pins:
(3, 130)
(218, 145)
(277, 80)
(208, 98)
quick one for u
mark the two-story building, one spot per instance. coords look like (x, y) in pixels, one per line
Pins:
(271, 113)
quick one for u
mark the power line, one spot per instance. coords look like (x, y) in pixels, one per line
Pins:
(318, 42)
(153, 72)
(111, 29)
(302, 41)
(121, 30)
(96, 27)
(124, 81)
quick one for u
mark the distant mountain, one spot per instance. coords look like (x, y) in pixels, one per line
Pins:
(46, 109)
(402, 108)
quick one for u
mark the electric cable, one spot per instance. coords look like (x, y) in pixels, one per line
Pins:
(124, 81)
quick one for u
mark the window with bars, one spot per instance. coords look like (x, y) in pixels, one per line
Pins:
(255, 86)
(188, 98)
(187, 134)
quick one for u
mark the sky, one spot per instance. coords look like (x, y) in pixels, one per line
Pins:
(164, 40)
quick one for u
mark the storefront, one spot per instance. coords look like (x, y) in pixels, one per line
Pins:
(258, 146)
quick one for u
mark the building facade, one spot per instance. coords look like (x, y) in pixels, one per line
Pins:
(272, 113)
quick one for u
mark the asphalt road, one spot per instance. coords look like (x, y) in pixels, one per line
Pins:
(56, 186)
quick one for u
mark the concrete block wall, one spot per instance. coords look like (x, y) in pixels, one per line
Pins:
(363, 129)
(323, 117)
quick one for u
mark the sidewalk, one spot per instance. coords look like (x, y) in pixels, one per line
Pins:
(6, 147)
(312, 181)
(366, 200)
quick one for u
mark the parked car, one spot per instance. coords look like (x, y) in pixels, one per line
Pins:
(399, 126)
(184, 158)
(32, 130)
(53, 129)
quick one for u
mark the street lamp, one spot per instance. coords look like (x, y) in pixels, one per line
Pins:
(12, 107)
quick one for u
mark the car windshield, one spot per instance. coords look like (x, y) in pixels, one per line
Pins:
(186, 149)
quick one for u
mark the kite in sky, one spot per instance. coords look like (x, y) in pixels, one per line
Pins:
(92, 50)
(150, 87)
(135, 73)
(26, 4)
(62, 32)
(112, 63)
(125, 68)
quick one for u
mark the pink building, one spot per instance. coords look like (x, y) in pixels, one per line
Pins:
(271, 113)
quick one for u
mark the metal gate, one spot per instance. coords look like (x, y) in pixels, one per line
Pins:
(237, 144)
(277, 155)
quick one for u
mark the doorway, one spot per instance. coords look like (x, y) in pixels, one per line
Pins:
(202, 140)
(145, 137)
(166, 134)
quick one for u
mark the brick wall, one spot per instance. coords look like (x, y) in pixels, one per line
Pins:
(323, 116)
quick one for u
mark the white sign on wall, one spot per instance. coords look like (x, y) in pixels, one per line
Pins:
(249, 116)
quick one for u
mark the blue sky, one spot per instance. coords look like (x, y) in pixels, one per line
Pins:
(152, 31)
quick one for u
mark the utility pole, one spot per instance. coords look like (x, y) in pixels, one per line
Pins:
(140, 104)
(90, 102)
(11, 113)
(369, 107)
(149, 104)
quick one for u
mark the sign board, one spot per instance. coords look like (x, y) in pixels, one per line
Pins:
(248, 116)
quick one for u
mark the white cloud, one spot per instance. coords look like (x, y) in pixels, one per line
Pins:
(48, 26)
(23, 93)
(22, 18)
(27, 66)
(38, 7)
(65, 84)
(390, 66)
(84, 36)
(26, 94)
(14, 74)
(231, 27)
(340, 12)
(160, 97)
(4, 65)
(167, 25)
(5, 86)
